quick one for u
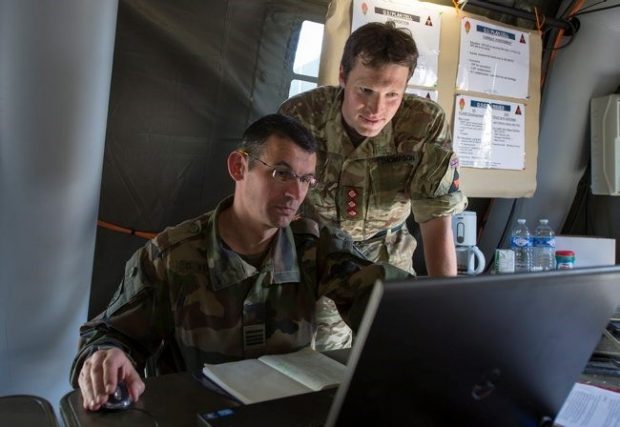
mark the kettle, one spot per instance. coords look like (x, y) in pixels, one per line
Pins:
(469, 258)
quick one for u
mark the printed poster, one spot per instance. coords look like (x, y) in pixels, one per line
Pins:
(493, 59)
(422, 24)
(489, 134)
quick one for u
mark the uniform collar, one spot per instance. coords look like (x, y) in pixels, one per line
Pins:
(227, 268)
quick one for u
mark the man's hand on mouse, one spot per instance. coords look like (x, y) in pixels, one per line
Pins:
(100, 374)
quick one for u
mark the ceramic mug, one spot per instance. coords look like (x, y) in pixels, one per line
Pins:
(470, 260)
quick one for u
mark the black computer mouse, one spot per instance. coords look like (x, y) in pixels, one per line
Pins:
(120, 399)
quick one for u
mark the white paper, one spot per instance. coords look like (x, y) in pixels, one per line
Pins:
(489, 133)
(493, 59)
(312, 369)
(589, 406)
(423, 24)
(252, 381)
(424, 93)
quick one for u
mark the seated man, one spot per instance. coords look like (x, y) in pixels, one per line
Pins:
(234, 283)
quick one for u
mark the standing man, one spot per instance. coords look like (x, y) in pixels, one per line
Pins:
(234, 283)
(382, 154)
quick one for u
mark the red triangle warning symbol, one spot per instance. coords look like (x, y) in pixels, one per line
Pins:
(429, 23)
(522, 39)
(518, 110)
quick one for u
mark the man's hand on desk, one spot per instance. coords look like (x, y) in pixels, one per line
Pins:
(101, 373)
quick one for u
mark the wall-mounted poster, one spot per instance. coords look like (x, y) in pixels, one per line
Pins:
(489, 133)
(493, 59)
(422, 24)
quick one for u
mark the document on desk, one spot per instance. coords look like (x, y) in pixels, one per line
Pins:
(589, 406)
(277, 375)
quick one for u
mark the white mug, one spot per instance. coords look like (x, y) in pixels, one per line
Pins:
(470, 260)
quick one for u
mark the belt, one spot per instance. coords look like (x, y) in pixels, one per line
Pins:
(382, 233)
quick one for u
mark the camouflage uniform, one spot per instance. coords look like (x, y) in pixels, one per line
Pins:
(185, 288)
(369, 191)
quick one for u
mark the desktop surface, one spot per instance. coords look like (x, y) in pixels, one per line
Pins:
(171, 400)
(179, 411)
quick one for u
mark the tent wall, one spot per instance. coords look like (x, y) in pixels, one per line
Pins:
(55, 68)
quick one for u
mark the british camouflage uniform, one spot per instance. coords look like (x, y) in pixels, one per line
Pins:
(186, 289)
(370, 190)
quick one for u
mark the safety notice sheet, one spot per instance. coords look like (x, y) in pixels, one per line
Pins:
(493, 59)
(489, 134)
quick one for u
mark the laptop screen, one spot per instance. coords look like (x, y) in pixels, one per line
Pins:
(501, 350)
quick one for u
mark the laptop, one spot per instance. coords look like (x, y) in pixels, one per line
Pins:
(495, 350)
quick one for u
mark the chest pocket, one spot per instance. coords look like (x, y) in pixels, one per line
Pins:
(390, 177)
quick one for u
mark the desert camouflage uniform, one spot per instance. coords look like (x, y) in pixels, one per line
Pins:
(187, 289)
(369, 191)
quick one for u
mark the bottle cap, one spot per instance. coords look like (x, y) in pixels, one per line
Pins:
(565, 253)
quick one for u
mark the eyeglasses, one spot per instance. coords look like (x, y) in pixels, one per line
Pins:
(285, 175)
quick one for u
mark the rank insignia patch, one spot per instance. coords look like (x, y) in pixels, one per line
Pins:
(352, 202)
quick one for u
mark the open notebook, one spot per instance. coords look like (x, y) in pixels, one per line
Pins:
(277, 375)
(500, 350)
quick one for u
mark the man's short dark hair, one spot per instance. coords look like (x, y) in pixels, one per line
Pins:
(257, 133)
(377, 44)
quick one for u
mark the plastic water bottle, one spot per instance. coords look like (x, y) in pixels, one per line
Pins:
(544, 247)
(521, 244)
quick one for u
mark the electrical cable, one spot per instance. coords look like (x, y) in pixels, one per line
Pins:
(568, 7)
(143, 234)
(597, 10)
(572, 37)
(517, 13)
(568, 13)
(592, 5)
(458, 8)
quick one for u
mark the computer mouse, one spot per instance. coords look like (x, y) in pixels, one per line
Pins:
(120, 399)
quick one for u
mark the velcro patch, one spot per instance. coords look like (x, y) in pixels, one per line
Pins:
(455, 182)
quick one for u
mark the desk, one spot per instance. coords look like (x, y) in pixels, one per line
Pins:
(172, 400)
(169, 400)
(26, 411)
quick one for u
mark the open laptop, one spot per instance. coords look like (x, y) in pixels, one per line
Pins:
(501, 350)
